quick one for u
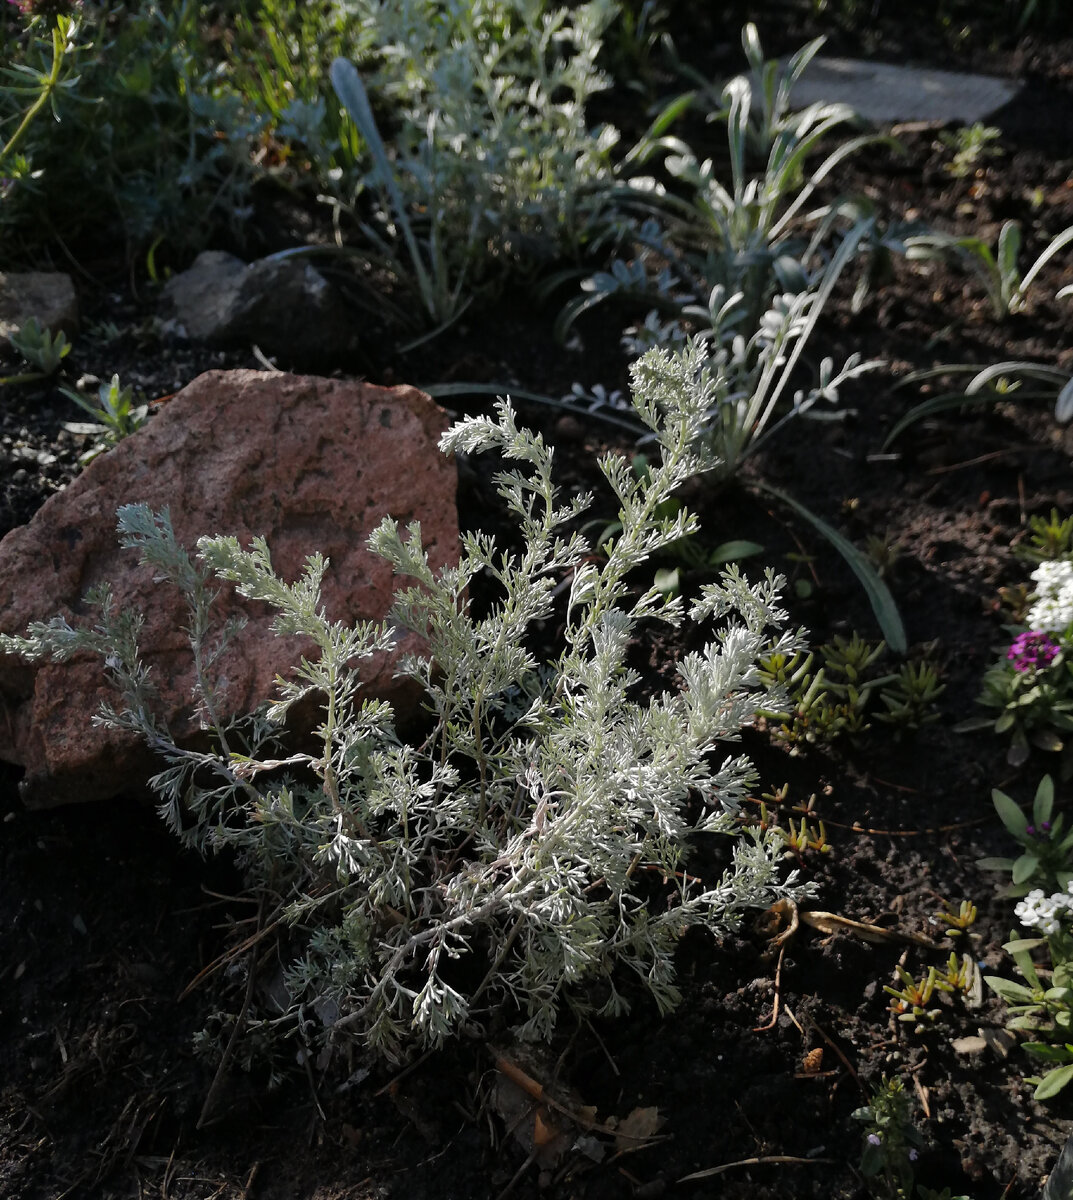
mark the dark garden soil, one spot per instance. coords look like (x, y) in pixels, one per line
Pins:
(105, 924)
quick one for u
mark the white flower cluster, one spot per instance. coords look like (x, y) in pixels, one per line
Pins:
(1053, 609)
(1045, 913)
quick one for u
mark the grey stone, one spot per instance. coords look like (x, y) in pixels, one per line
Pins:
(283, 305)
(886, 94)
(203, 297)
(47, 295)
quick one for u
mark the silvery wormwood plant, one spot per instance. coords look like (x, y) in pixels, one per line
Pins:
(491, 167)
(531, 850)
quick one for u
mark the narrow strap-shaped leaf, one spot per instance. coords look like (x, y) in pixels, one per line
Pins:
(1060, 240)
(796, 160)
(842, 255)
(795, 68)
(351, 91)
(1003, 369)
(1009, 248)
(879, 595)
(740, 95)
(654, 137)
(974, 392)
(1063, 406)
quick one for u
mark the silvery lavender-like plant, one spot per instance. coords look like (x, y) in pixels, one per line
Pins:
(531, 852)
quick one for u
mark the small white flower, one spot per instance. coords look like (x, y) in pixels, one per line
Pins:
(1044, 913)
(1052, 611)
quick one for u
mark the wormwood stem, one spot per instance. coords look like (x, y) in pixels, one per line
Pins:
(482, 770)
(500, 958)
(236, 1032)
(416, 940)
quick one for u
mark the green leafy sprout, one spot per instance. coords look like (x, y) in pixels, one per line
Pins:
(1047, 854)
(41, 348)
(971, 145)
(998, 268)
(1042, 1008)
(115, 414)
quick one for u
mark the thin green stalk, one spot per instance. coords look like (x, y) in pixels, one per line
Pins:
(59, 51)
(26, 377)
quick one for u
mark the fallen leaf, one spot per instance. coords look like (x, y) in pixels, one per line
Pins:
(1000, 1040)
(639, 1126)
(529, 1124)
(544, 1131)
(585, 1114)
(813, 1061)
(969, 1045)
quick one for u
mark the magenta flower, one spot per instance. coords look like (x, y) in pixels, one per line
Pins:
(1031, 651)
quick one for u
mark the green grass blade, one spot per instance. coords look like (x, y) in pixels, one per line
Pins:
(879, 596)
(351, 91)
(950, 402)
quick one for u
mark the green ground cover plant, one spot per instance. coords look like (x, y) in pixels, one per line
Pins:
(38, 89)
(40, 348)
(140, 133)
(833, 691)
(493, 169)
(970, 146)
(1042, 1006)
(1031, 684)
(115, 416)
(168, 120)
